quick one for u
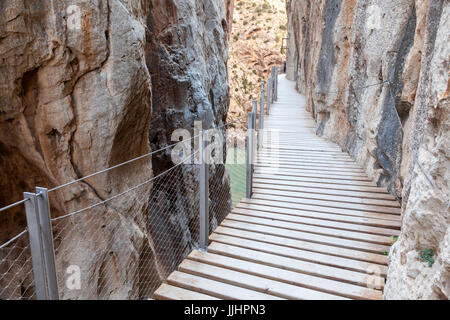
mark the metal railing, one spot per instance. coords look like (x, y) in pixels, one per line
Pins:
(108, 244)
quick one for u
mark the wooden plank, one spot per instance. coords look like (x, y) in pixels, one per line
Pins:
(285, 140)
(306, 267)
(332, 164)
(306, 236)
(323, 203)
(276, 140)
(312, 163)
(299, 253)
(359, 191)
(324, 168)
(318, 161)
(307, 153)
(298, 171)
(308, 159)
(202, 268)
(168, 292)
(375, 204)
(317, 222)
(316, 208)
(388, 224)
(215, 288)
(376, 258)
(307, 156)
(308, 173)
(287, 148)
(313, 179)
(287, 276)
(341, 234)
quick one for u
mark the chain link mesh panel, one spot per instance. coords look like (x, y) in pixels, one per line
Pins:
(124, 242)
(125, 247)
(16, 270)
(227, 183)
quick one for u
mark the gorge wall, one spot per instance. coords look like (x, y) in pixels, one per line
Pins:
(85, 85)
(376, 77)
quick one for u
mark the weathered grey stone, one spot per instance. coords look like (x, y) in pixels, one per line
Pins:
(375, 74)
(77, 98)
(187, 55)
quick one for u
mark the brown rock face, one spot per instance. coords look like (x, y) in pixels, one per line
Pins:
(259, 27)
(187, 54)
(76, 97)
(375, 75)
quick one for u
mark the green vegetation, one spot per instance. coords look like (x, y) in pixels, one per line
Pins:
(427, 255)
(394, 240)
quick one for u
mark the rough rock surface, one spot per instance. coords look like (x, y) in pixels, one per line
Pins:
(76, 97)
(375, 74)
(187, 54)
(259, 27)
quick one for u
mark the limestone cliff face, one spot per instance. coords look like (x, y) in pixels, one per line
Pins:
(76, 97)
(375, 74)
(187, 54)
(259, 27)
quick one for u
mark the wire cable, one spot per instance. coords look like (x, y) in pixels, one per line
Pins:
(116, 166)
(124, 192)
(14, 204)
(13, 238)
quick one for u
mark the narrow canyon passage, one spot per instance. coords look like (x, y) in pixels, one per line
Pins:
(331, 183)
(315, 227)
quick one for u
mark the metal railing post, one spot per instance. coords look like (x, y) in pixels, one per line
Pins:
(47, 243)
(250, 152)
(261, 114)
(276, 85)
(269, 95)
(37, 211)
(36, 246)
(204, 194)
(254, 110)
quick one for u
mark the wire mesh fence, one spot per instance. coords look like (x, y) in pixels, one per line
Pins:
(123, 242)
(124, 247)
(16, 271)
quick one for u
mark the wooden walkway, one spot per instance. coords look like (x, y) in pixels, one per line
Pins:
(315, 228)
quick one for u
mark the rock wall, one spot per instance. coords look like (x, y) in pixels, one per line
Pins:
(375, 74)
(76, 97)
(187, 54)
(259, 27)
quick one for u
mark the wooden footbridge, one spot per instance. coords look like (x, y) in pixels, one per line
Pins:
(316, 226)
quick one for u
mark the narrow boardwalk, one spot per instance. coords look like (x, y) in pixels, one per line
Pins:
(315, 228)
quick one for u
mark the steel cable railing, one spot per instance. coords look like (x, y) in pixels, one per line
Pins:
(16, 276)
(124, 245)
(12, 251)
(128, 251)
